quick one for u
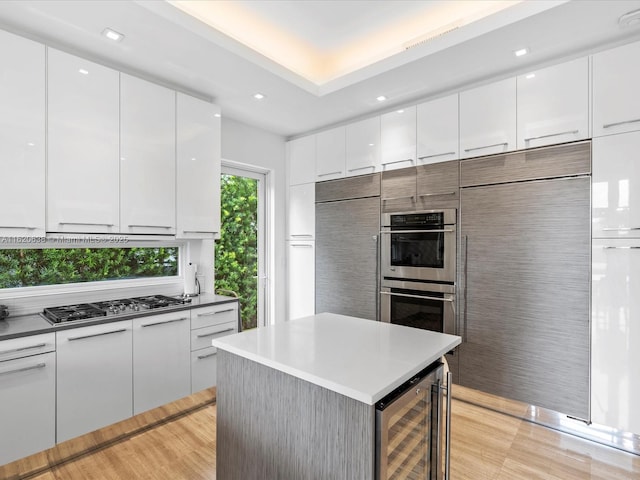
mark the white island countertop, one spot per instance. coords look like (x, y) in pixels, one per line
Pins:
(361, 359)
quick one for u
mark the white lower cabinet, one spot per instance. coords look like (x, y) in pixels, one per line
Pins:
(615, 336)
(94, 378)
(160, 360)
(27, 396)
(301, 279)
(208, 323)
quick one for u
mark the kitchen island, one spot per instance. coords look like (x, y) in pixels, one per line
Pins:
(297, 400)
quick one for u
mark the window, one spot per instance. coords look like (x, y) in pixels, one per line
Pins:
(26, 267)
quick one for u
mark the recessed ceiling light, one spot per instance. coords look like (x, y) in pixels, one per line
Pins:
(217, 115)
(400, 111)
(371, 144)
(530, 76)
(83, 71)
(112, 34)
(258, 96)
(521, 52)
(381, 98)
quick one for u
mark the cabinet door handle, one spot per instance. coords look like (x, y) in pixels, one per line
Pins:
(152, 324)
(412, 197)
(436, 155)
(632, 247)
(306, 235)
(330, 173)
(568, 132)
(301, 245)
(617, 124)
(88, 223)
(436, 194)
(205, 335)
(151, 226)
(620, 229)
(17, 227)
(200, 357)
(447, 426)
(24, 369)
(22, 349)
(361, 168)
(96, 334)
(208, 314)
(503, 144)
(398, 161)
(198, 231)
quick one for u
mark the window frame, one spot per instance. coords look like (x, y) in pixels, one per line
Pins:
(102, 285)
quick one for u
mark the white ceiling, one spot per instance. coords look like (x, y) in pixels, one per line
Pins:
(167, 45)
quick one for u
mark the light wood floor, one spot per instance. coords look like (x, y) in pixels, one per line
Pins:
(484, 445)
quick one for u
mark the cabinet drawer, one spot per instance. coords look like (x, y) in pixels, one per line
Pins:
(27, 346)
(539, 163)
(201, 338)
(204, 365)
(214, 315)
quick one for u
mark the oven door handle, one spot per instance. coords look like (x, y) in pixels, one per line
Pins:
(445, 230)
(422, 297)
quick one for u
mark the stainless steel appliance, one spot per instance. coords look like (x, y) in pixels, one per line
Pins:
(429, 306)
(85, 311)
(409, 428)
(347, 226)
(419, 245)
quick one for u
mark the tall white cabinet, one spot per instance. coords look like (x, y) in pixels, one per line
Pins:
(83, 145)
(22, 136)
(398, 138)
(147, 157)
(198, 168)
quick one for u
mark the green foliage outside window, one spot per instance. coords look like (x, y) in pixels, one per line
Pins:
(51, 266)
(236, 253)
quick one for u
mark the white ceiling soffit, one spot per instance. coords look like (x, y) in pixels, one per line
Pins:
(325, 45)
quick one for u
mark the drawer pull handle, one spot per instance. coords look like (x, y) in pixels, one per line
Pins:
(216, 313)
(361, 168)
(617, 124)
(412, 197)
(22, 349)
(164, 322)
(199, 231)
(568, 132)
(301, 245)
(97, 334)
(302, 235)
(503, 144)
(436, 194)
(151, 226)
(330, 173)
(88, 223)
(620, 229)
(200, 357)
(621, 248)
(16, 227)
(204, 335)
(25, 369)
(436, 155)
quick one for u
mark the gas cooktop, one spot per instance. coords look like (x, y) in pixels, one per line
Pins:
(83, 311)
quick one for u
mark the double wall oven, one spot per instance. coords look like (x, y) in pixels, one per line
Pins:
(418, 269)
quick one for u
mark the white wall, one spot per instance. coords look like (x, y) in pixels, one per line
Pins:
(251, 146)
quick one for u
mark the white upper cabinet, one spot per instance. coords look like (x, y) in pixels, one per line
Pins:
(301, 160)
(437, 130)
(398, 136)
(147, 157)
(363, 147)
(488, 119)
(616, 101)
(22, 136)
(553, 104)
(330, 154)
(302, 209)
(616, 186)
(83, 145)
(198, 168)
